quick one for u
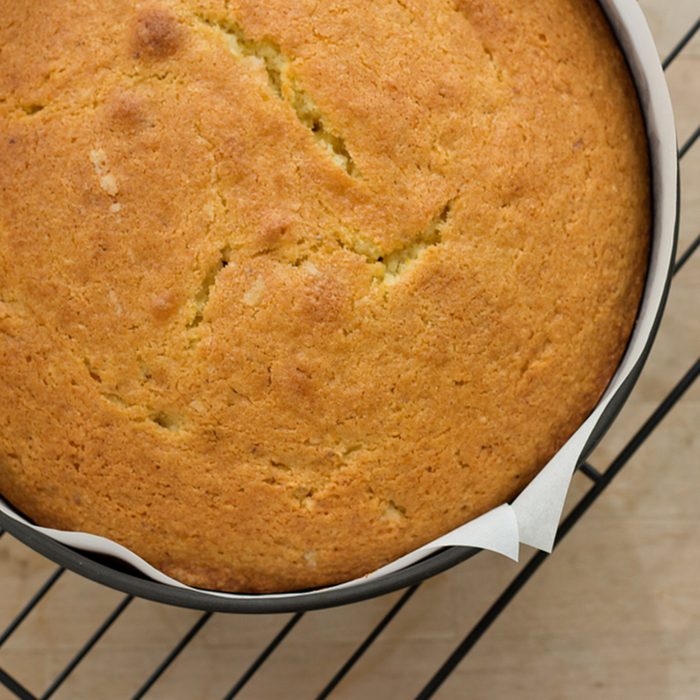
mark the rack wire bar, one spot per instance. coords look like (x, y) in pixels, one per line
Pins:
(685, 40)
(253, 668)
(172, 656)
(687, 255)
(87, 647)
(15, 687)
(590, 471)
(690, 142)
(579, 510)
(360, 651)
(35, 600)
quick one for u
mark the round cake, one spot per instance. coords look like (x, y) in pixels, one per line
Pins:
(289, 289)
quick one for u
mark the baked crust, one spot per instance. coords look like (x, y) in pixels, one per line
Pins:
(288, 289)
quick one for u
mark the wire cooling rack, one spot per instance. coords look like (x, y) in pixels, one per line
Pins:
(599, 481)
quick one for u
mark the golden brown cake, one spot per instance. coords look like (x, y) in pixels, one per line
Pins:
(290, 288)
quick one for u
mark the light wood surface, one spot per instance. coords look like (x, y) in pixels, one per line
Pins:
(615, 613)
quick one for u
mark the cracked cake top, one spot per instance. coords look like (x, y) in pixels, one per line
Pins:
(288, 289)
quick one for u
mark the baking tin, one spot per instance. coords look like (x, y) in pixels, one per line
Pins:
(634, 37)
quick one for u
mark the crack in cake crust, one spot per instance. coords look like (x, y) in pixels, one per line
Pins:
(279, 70)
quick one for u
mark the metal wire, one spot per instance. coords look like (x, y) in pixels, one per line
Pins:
(600, 482)
(170, 658)
(685, 40)
(33, 602)
(590, 471)
(689, 143)
(267, 652)
(87, 647)
(360, 651)
(690, 251)
(15, 687)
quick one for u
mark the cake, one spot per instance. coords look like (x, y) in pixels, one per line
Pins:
(289, 289)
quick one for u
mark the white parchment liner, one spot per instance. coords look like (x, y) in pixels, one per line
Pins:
(534, 517)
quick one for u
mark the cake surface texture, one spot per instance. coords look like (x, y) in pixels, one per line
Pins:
(291, 288)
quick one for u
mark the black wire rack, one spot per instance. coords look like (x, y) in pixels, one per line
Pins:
(599, 479)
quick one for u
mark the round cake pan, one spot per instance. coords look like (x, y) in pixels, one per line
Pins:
(634, 37)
